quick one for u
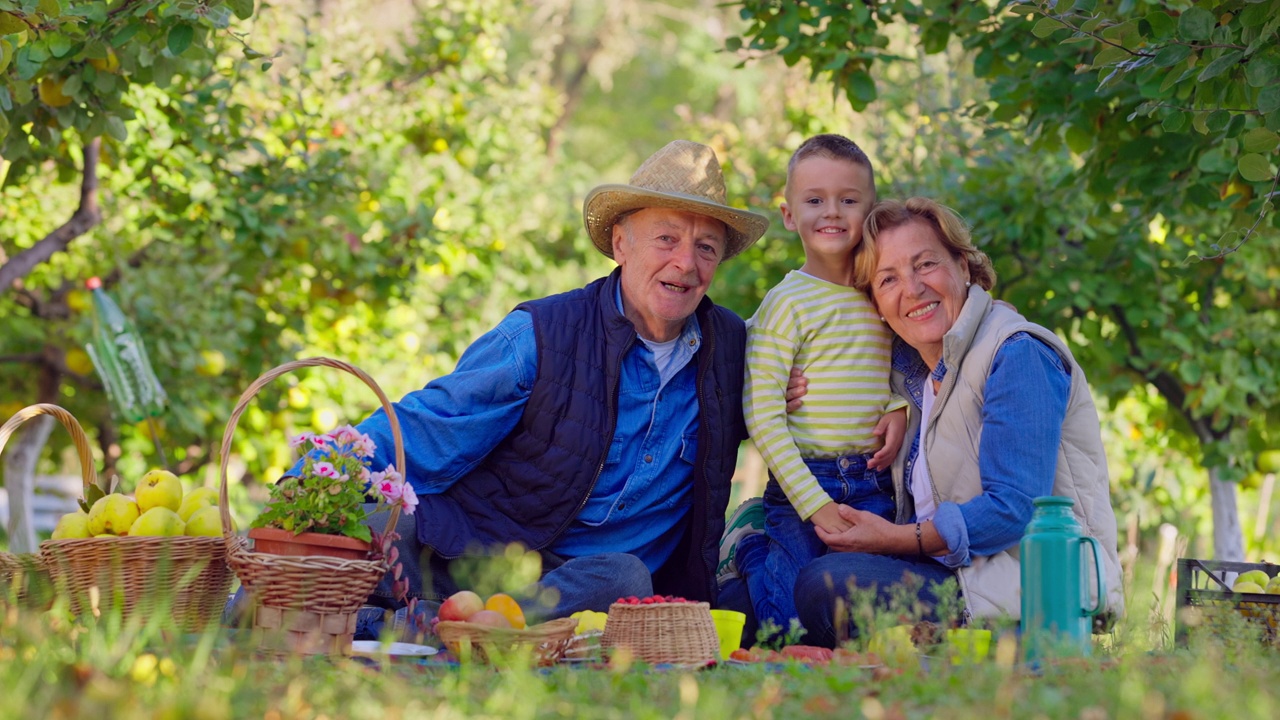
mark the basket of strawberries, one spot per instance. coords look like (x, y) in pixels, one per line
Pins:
(661, 629)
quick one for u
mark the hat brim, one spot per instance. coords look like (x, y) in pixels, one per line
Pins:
(605, 203)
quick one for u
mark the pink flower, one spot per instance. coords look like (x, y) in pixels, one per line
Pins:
(300, 439)
(363, 446)
(345, 435)
(408, 500)
(319, 441)
(324, 469)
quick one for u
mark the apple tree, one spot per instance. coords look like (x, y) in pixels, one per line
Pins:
(1123, 183)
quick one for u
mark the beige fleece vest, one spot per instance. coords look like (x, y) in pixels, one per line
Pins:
(992, 585)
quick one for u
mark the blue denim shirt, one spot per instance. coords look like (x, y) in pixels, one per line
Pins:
(1024, 406)
(643, 492)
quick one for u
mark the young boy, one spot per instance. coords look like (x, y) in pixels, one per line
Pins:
(837, 448)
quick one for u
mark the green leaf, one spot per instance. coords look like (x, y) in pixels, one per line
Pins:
(1256, 15)
(59, 45)
(1254, 168)
(1109, 55)
(116, 128)
(1171, 55)
(1174, 121)
(50, 8)
(72, 84)
(1079, 139)
(1259, 140)
(10, 23)
(1162, 24)
(1047, 26)
(861, 86)
(1217, 120)
(180, 39)
(244, 10)
(1269, 100)
(1260, 71)
(1196, 23)
(1219, 66)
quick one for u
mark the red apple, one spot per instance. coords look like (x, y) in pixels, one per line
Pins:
(460, 606)
(491, 618)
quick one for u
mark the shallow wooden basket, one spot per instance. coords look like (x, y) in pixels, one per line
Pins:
(547, 642)
(304, 605)
(185, 578)
(674, 633)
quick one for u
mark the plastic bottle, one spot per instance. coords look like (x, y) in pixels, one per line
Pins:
(121, 360)
(1056, 604)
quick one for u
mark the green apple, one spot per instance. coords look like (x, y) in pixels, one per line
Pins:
(1247, 587)
(1257, 577)
(112, 515)
(201, 497)
(159, 488)
(72, 526)
(1273, 587)
(206, 522)
(158, 522)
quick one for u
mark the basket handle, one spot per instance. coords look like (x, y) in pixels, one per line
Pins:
(257, 385)
(88, 472)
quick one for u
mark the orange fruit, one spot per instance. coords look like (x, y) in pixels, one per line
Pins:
(506, 606)
(50, 92)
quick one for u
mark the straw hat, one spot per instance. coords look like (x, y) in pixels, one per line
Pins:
(683, 176)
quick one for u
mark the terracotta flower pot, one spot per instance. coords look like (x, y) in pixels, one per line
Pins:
(283, 542)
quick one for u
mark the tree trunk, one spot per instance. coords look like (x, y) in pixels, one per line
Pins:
(1228, 538)
(19, 480)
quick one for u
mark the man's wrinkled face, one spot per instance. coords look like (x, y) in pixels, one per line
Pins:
(668, 258)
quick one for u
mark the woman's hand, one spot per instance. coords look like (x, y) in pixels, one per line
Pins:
(869, 533)
(797, 386)
(891, 430)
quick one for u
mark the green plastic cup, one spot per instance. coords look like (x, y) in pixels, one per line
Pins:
(728, 630)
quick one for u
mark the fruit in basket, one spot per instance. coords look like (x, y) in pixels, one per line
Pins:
(112, 514)
(159, 488)
(1273, 586)
(506, 606)
(490, 618)
(158, 522)
(460, 606)
(205, 522)
(201, 497)
(1247, 587)
(1257, 577)
(72, 526)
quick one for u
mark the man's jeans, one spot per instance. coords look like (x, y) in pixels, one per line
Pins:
(772, 561)
(830, 577)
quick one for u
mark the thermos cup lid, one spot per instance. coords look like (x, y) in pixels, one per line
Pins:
(1053, 501)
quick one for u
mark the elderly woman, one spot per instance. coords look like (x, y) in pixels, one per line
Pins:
(1000, 414)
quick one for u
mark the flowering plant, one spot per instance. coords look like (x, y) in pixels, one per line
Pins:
(332, 493)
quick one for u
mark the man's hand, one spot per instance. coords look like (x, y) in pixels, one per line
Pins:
(891, 430)
(828, 519)
(868, 532)
(797, 387)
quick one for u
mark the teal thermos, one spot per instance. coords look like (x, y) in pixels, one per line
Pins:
(1056, 603)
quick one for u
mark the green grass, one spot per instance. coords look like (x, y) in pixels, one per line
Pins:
(52, 666)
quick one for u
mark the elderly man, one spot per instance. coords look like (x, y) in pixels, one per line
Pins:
(601, 426)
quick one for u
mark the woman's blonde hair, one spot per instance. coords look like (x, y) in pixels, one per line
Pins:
(946, 224)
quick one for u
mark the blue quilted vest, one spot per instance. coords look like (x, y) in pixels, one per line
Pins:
(537, 479)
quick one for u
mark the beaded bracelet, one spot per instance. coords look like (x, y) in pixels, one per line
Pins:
(919, 542)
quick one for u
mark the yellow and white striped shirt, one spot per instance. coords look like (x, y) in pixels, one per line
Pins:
(834, 335)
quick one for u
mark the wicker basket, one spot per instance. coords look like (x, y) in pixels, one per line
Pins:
(547, 641)
(674, 633)
(304, 605)
(184, 577)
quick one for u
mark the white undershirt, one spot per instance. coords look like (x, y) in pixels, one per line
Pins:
(661, 353)
(921, 483)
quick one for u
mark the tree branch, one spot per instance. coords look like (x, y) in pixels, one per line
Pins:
(85, 217)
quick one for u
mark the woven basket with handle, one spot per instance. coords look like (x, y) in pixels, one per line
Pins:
(304, 604)
(184, 577)
(547, 642)
(675, 633)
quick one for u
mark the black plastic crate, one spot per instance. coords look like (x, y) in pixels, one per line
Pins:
(1202, 584)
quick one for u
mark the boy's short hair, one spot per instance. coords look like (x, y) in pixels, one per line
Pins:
(830, 145)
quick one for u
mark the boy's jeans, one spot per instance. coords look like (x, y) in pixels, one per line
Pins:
(772, 561)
